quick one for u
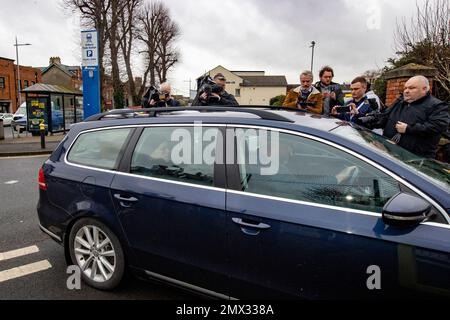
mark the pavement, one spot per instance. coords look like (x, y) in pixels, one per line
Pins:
(25, 144)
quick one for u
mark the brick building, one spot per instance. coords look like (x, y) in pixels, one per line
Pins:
(63, 75)
(9, 83)
(397, 78)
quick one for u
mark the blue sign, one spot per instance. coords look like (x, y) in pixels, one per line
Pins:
(91, 73)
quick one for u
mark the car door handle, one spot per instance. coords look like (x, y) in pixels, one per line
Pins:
(126, 199)
(260, 225)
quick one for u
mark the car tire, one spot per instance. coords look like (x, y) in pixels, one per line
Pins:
(102, 265)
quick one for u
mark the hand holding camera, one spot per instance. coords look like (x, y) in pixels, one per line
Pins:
(350, 108)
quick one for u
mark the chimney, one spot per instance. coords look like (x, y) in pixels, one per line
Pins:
(55, 60)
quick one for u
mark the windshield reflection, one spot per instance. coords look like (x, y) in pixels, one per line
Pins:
(434, 170)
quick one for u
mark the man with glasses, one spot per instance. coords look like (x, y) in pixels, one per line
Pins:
(221, 97)
(165, 90)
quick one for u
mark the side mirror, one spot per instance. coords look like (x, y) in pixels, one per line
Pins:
(405, 210)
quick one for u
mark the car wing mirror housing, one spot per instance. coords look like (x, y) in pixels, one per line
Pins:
(405, 210)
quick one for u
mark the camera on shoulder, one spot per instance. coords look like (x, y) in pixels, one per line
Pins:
(208, 86)
(154, 94)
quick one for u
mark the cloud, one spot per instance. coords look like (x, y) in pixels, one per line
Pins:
(239, 34)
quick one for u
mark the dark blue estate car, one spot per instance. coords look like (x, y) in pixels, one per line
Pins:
(248, 203)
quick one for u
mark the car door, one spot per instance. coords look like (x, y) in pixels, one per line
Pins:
(313, 227)
(173, 210)
(80, 182)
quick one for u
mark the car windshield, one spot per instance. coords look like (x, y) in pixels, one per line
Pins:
(433, 170)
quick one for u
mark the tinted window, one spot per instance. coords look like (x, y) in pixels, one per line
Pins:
(314, 172)
(159, 150)
(99, 149)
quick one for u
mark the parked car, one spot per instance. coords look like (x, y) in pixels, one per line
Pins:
(7, 118)
(19, 121)
(334, 212)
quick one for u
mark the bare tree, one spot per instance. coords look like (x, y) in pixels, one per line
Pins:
(117, 6)
(425, 39)
(127, 34)
(150, 36)
(168, 54)
(159, 33)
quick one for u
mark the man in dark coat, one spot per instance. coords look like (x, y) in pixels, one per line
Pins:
(222, 98)
(331, 92)
(417, 120)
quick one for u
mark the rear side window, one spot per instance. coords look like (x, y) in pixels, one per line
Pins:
(178, 154)
(99, 149)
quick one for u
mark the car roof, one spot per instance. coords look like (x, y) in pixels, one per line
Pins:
(242, 113)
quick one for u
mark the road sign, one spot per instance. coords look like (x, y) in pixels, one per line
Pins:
(91, 74)
(89, 46)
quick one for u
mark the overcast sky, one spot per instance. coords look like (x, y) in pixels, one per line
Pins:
(351, 35)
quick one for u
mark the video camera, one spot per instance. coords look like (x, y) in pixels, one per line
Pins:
(154, 94)
(208, 86)
(370, 120)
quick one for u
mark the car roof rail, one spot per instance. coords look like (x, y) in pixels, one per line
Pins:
(152, 112)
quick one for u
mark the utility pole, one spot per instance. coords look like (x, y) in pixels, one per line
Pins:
(19, 85)
(190, 81)
(313, 44)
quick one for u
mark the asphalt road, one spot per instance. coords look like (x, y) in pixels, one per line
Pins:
(19, 229)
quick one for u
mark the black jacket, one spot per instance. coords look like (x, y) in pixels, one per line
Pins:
(337, 90)
(226, 99)
(427, 119)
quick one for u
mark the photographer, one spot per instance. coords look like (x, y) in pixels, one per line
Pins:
(212, 94)
(331, 91)
(416, 121)
(162, 98)
(305, 97)
(359, 106)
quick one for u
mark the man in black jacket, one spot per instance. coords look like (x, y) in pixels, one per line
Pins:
(223, 98)
(417, 120)
(331, 91)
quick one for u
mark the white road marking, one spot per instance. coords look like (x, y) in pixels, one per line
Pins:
(24, 270)
(18, 253)
(11, 182)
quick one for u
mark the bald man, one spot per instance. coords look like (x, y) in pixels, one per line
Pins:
(165, 90)
(418, 119)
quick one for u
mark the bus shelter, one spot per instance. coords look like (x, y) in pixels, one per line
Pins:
(56, 106)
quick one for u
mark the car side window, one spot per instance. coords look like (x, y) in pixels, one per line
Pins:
(99, 149)
(315, 172)
(175, 153)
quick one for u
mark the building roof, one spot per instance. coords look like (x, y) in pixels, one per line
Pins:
(264, 81)
(69, 70)
(50, 88)
(2, 58)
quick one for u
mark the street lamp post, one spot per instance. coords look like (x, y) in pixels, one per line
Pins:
(17, 45)
(190, 82)
(313, 44)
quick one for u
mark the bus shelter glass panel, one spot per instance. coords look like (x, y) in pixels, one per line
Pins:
(79, 109)
(69, 109)
(57, 113)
